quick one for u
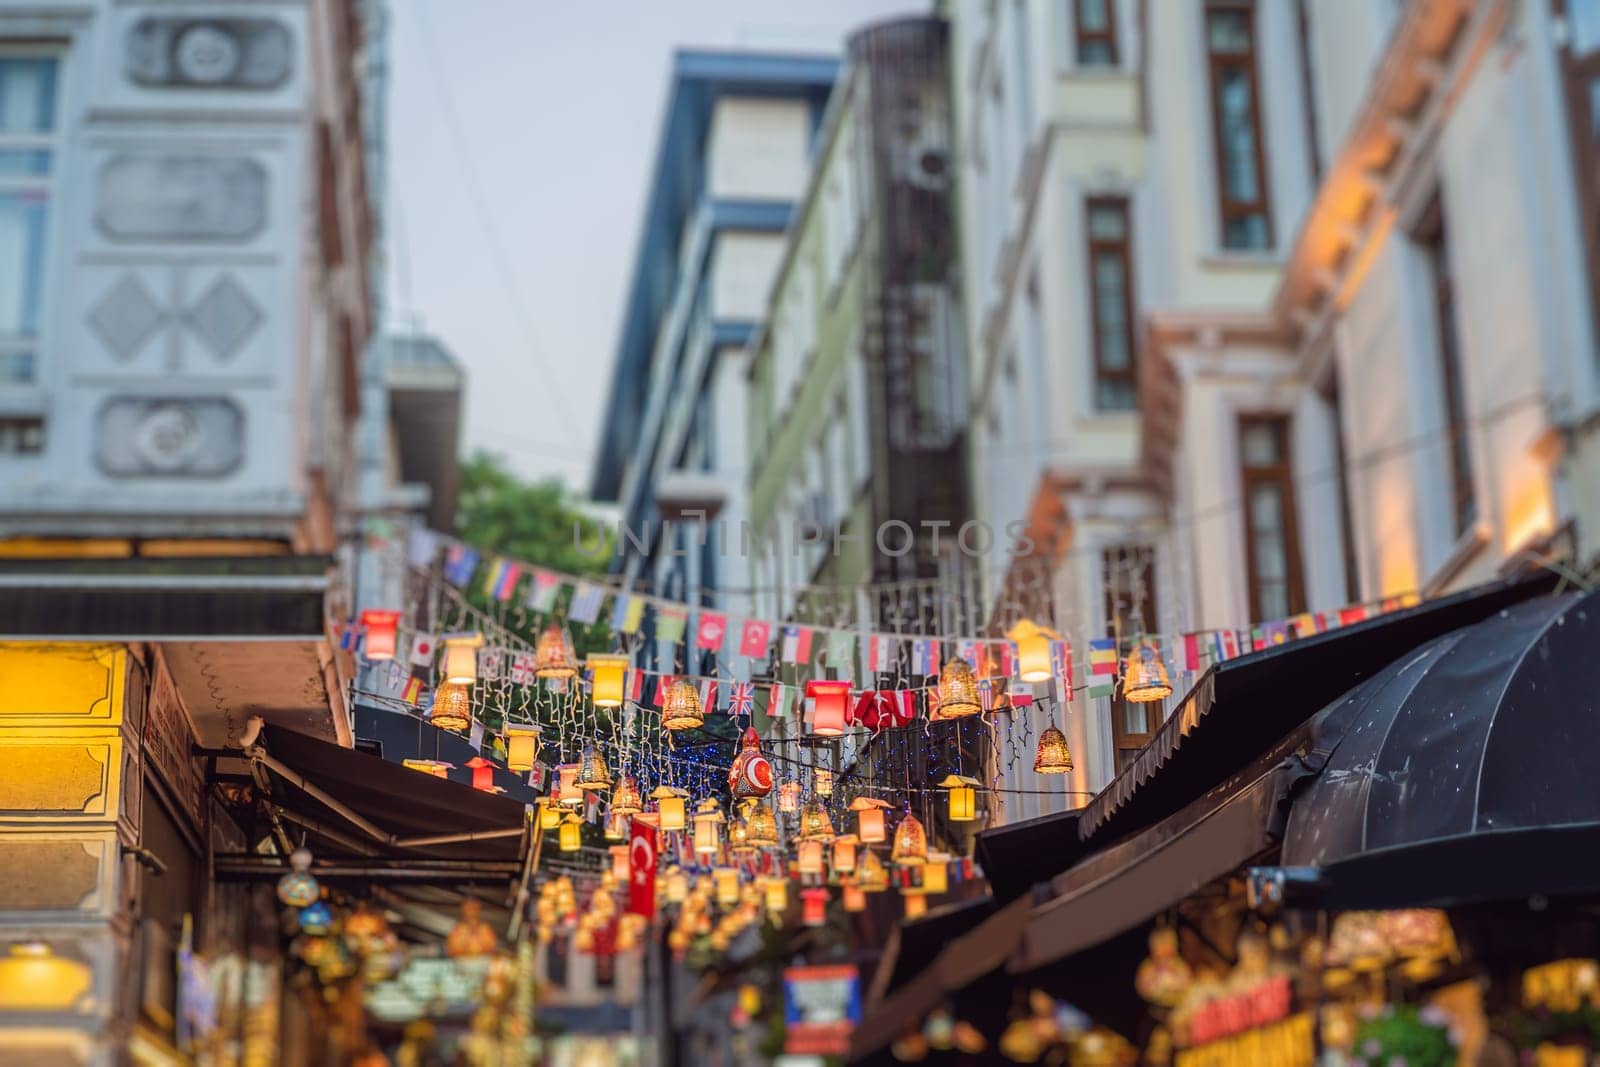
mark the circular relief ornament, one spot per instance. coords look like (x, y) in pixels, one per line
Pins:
(167, 437)
(207, 54)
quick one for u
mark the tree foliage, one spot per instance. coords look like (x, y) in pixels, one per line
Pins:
(499, 512)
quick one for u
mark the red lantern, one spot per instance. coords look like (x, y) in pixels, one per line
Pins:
(383, 630)
(831, 708)
(815, 911)
(482, 774)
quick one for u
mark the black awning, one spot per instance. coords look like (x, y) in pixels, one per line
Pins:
(1020, 855)
(1463, 766)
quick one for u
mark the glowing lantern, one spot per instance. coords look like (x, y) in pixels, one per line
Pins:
(739, 838)
(814, 903)
(34, 978)
(822, 782)
(571, 838)
(682, 709)
(707, 837)
(853, 897)
(298, 888)
(382, 634)
(761, 828)
(316, 918)
(810, 857)
(935, 875)
(608, 670)
(1053, 756)
(830, 706)
(727, 880)
(625, 798)
(619, 862)
(789, 797)
(522, 747)
(1033, 650)
(670, 805)
(776, 894)
(871, 874)
(482, 774)
(916, 905)
(616, 827)
(869, 819)
(963, 797)
(567, 791)
(844, 853)
(677, 886)
(1144, 676)
(815, 824)
(750, 777)
(437, 768)
(593, 775)
(452, 707)
(553, 656)
(910, 843)
(461, 657)
(958, 692)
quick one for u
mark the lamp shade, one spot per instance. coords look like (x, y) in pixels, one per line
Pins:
(775, 894)
(553, 656)
(609, 671)
(682, 710)
(522, 747)
(671, 806)
(739, 838)
(452, 707)
(871, 874)
(619, 862)
(815, 825)
(916, 905)
(869, 819)
(844, 853)
(789, 797)
(808, 856)
(910, 843)
(958, 692)
(437, 768)
(935, 873)
(814, 906)
(822, 782)
(299, 887)
(571, 839)
(482, 774)
(830, 706)
(567, 791)
(461, 657)
(708, 819)
(761, 827)
(727, 879)
(1053, 756)
(1144, 676)
(963, 792)
(549, 814)
(1033, 650)
(852, 896)
(382, 632)
(625, 798)
(616, 826)
(593, 774)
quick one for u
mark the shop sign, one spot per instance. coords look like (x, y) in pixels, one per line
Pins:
(1287, 1043)
(1222, 1017)
(821, 1008)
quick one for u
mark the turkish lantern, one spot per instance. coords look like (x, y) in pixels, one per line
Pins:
(814, 904)
(852, 896)
(482, 774)
(761, 828)
(682, 709)
(844, 853)
(750, 776)
(809, 857)
(625, 799)
(1033, 650)
(830, 706)
(549, 814)
(593, 774)
(958, 692)
(739, 837)
(727, 880)
(1144, 676)
(815, 824)
(571, 838)
(553, 656)
(869, 819)
(382, 634)
(461, 657)
(670, 806)
(299, 887)
(522, 747)
(567, 791)
(935, 875)
(916, 905)
(437, 768)
(910, 843)
(707, 837)
(619, 862)
(608, 671)
(1053, 755)
(963, 792)
(452, 707)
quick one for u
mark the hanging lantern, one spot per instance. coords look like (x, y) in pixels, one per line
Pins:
(707, 837)
(436, 768)
(571, 838)
(553, 656)
(298, 888)
(670, 805)
(808, 857)
(522, 747)
(482, 774)
(1053, 757)
(935, 873)
(616, 828)
(619, 862)
(963, 797)
(869, 819)
(461, 657)
(625, 799)
(814, 905)
(1033, 650)
(751, 774)
(822, 782)
(830, 706)
(549, 814)
(739, 838)
(871, 874)
(682, 710)
(316, 918)
(677, 886)
(958, 692)
(789, 797)
(1144, 676)
(775, 892)
(815, 824)
(609, 670)
(727, 881)
(567, 791)
(452, 707)
(593, 775)
(916, 905)
(852, 896)
(382, 634)
(844, 853)
(761, 827)
(910, 843)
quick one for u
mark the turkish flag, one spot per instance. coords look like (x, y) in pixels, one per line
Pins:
(755, 639)
(641, 869)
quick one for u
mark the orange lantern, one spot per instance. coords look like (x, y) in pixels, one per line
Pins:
(830, 707)
(670, 806)
(935, 875)
(382, 634)
(853, 897)
(619, 862)
(810, 857)
(844, 853)
(910, 843)
(869, 819)
(482, 774)
(916, 905)
(1033, 650)
(608, 672)
(789, 797)
(814, 906)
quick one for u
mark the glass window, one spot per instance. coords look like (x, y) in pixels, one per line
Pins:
(28, 117)
(1583, 25)
(1271, 541)
(1432, 238)
(1128, 574)
(1245, 219)
(1095, 33)
(1111, 303)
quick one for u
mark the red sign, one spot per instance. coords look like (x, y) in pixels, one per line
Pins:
(641, 869)
(1266, 1003)
(822, 1007)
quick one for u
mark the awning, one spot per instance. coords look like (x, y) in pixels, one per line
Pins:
(1464, 771)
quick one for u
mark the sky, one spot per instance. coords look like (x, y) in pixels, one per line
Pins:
(522, 134)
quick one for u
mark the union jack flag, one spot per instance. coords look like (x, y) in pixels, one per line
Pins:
(741, 699)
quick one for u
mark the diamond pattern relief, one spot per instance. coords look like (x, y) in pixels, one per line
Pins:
(224, 317)
(126, 317)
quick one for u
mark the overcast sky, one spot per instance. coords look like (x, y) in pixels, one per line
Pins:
(558, 105)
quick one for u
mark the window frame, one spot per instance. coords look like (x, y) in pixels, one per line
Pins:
(1107, 37)
(1431, 236)
(1094, 246)
(1216, 63)
(1279, 475)
(1578, 71)
(46, 185)
(1119, 614)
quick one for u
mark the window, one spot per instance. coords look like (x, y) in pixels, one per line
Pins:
(1581, 68)
(21, 436)
(1272, 545)
(1245, 219)
(1432, 239)
(1335, 408)
(28, 122)
(1130, 607)
(1111, 300)
(1094, 25)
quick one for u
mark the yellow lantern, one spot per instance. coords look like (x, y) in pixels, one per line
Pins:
(625, 799)
(815, 824)
(553, 656)
(567, 791)
(916, 905)
(682, 710)
(853, 897)
(749, 1000)
(810, 857)
(452, 707)
(549, 814)
(727, 879)
(707, 837)
(1053, 756)
(1033, 650)
(822, 782)
(776, 893)
(871, 874)
(935, 875)
(844, 853)
(1144, 676)
(869, 819)
(571, 837)
(522, 747)
(677, 886)
(958, 692)
(608, 670)
(910, 843)
(437, 768)
(963, 797)
(461, 657)
(670, 806)
(761, 828)
(739, 837)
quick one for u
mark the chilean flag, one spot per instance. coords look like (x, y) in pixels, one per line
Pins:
(641, 869)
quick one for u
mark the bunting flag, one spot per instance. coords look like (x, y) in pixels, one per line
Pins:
(349, 634)
(986, 694)
(586, 600)
(1022, 700)
(841, 653)
(796, 644)
(542, 592)
(741, 699)
(635, 687)
(536, 776)
(642, 865)
(1258, 639)
(1007, 651)
(1104, 688)
(1304, 624)
(501, 580)
(491, 664)
(475, 737)
(395, 674)
(780, 701)
(459, 563)
(412, 694)
(1061, 670)
(708, 695)
(1102, 657)
(755, 639)
(628, 615)
(670, 624)
(663, 684)
(1191, 652)
(522, 669)
(1351, 615)
(882, 651)
(1277, 633)
(1230, 645)
(972, 652)
(422, 649)
(925, 657)
(708, 636)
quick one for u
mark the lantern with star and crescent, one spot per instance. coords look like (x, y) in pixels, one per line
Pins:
(750, 777)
